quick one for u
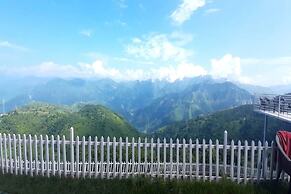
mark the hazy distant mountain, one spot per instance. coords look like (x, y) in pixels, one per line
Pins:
(254, 89)
(146, 104)
(240, 122)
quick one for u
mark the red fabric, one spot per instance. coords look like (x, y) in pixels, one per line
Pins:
(285, 141)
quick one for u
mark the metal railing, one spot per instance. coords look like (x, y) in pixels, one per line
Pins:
(274, 105)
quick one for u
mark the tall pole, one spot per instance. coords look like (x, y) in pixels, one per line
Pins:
(265, 128)
(264, 141)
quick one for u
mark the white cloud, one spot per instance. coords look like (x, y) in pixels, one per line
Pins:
(185, 10)
(226, 67)
(87, 32)
(183, 70)
(265, 72)
(99, 70)
(158, 47)
(6, 44)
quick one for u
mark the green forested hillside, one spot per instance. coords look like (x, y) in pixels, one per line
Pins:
(241, 123)
(198, 99)
(38, 118)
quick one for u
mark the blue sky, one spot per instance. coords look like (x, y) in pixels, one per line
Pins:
(247, 41)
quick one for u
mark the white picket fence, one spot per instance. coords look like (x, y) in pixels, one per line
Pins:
(99, 158)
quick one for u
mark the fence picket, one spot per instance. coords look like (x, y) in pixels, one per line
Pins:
(41, 155)
(210, 160)
(145, 156)
(177, 159)
(197, 159)
(158, 157)
(152, 157)
(259, 151)
(89, 157)
(72, 150)
(83, 158)
(184, 159)
(30, 155)
(252, 159)
(96, 156)
(10, 154)
(64, 156)
(15, 155)
(238, 161)
(5, 152)
(59, 155)
(47, 156)
(1, 154)
(217, 160)
(77, 157)
(171, 158)
(203, 159)
(224, 152)
(19, 155)
(245, 161)
(114, 157)
(232, 160)
(190, 159)
(102, 157)
(53, 155)
(265, 160)
(108, 157)
(36, 155)
(120, 157)
(126, 157)
(138, 155)
(165, 158)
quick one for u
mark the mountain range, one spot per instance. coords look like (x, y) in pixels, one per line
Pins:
(147, 105)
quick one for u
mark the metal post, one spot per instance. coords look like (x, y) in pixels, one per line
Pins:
(264, 141)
